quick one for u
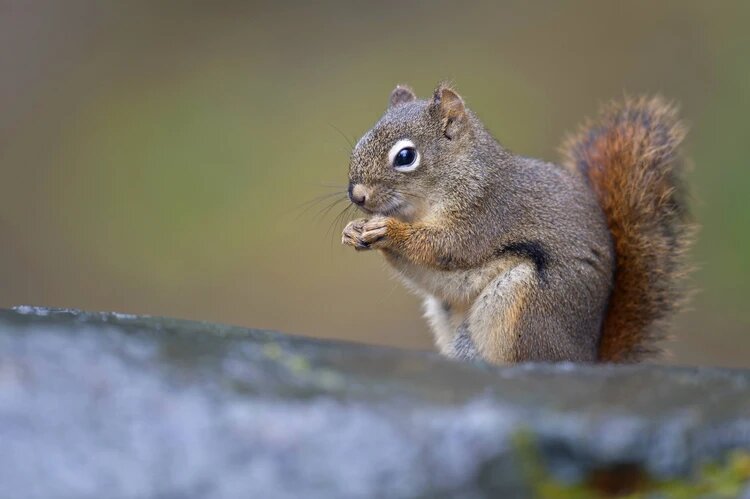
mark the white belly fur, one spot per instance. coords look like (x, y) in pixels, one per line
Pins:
(457, 288)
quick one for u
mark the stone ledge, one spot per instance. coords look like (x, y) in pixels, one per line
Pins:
(103, 404)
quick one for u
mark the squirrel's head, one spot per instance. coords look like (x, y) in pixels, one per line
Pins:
(401, 166)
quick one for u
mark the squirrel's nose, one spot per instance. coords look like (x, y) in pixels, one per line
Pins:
(357, 194)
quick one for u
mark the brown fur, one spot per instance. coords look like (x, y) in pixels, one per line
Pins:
(630, 159)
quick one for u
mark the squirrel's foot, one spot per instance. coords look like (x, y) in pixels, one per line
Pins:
(366, 234)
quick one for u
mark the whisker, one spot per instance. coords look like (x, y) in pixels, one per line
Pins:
(305, 207)
(327, 185)
(337, 223)
(322, 211)
(328, 208)
(332, 185)
(318, 199)
(346, 138)
(411, 195)
(331, 229)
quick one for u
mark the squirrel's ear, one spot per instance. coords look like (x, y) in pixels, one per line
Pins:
(450, 108)
(401, 95)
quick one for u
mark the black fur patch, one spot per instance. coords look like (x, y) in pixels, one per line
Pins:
(444, 262)
(533, 250)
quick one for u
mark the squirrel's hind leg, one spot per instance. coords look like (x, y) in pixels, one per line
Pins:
(495, 318)
(517, 318)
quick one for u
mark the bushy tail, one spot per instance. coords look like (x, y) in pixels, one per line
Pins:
(629, 157)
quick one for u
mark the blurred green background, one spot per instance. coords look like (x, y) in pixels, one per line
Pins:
(154, 155)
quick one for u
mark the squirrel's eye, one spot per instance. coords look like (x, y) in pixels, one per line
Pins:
(404, 156)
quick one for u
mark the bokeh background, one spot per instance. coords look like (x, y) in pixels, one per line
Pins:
(154, 156)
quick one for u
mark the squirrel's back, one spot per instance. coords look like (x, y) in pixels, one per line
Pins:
(629, 157)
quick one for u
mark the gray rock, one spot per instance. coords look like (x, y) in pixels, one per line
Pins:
(109, 405)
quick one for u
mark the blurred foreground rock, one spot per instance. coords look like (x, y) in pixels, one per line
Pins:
(108, 405)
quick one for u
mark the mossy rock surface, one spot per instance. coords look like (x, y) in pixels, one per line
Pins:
(117, 406)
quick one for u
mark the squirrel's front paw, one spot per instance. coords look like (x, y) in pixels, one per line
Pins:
(375, 233)
(366, 234)
(352, 234)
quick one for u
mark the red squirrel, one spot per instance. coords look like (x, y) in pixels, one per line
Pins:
(518, 259)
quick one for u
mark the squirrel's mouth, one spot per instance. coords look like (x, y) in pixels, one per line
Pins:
(384, 202)
(395, 208)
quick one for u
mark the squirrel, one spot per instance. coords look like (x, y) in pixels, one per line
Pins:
(518, 259)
